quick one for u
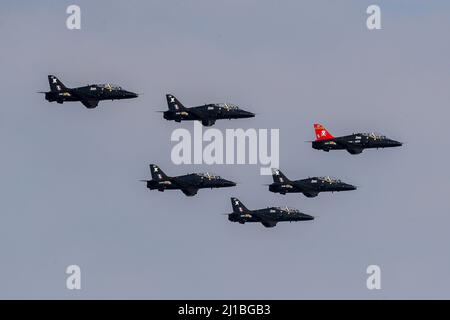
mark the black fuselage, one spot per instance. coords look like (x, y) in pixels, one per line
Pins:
(310, 187)
(269, 216)
(355, 143)
(207, 114)
(190, 183)
(192, 180)
(89, 95)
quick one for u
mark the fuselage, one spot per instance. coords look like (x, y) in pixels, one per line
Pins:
(311, 187)
(355, 143)
(194, 180)
(207, 112)
(90, 93)
(273, 214)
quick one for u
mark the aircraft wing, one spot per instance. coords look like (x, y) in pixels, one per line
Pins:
(90, 104)
(310, 194)
(197, 113)
(355, 150)
(87, 100)
(300, 186)
(351, 148)
(190, 192)
(267, 222)
(187, 189)
(305, 189)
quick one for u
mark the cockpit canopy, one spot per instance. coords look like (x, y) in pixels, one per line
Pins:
(209, 175)
(227, 106)
(110, 86)
(287, 210)
(329, 180)
(374, 136)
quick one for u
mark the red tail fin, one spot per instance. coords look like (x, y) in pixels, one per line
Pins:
(322, 133)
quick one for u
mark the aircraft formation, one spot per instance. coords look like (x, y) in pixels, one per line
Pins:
(208, 114)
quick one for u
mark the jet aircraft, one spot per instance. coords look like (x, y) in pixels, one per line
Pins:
(89, 95)
(269, 217)
(310, 187)
(207, 114)
(189, 184)
(354, 143)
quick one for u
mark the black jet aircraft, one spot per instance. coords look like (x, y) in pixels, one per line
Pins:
(354, 144)
(310, 187)
(189, 184)
(207, 114)
(89, 95)
(269, 217)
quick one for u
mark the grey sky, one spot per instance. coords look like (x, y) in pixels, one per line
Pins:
(69, 176)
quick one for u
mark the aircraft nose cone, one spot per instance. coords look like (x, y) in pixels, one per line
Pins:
(244, 114)
(350, 187)
(228, 183)
(129, 94)
(248, 114)
(396, 143)
(307, 217)
(132, 95)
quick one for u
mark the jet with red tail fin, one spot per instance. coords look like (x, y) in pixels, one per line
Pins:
(354, 143)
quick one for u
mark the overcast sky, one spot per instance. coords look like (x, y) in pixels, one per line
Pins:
(69, 176)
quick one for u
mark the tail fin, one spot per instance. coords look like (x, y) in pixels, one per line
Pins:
(278, 176)
(55, 84)
(157, 173)
(322, 133)
(173, 103)
(238, 207)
